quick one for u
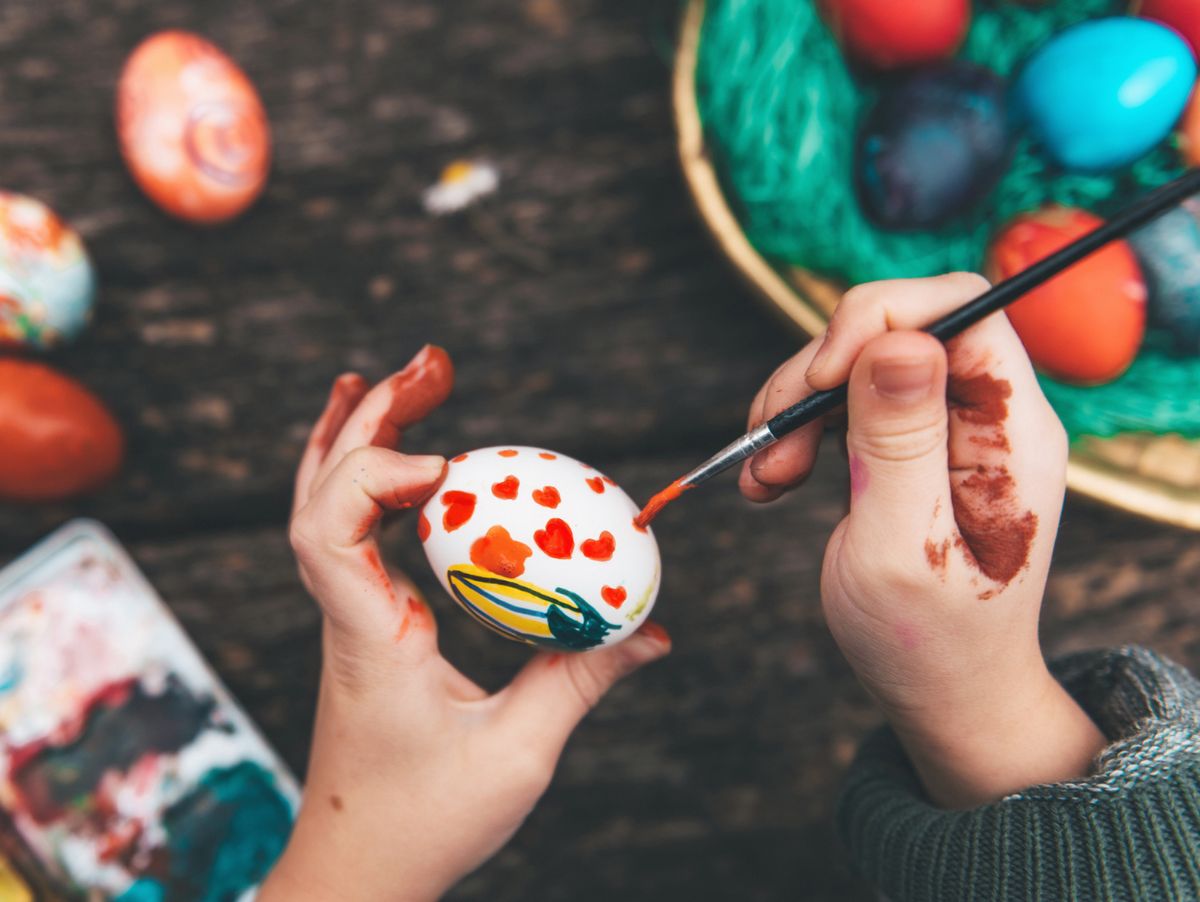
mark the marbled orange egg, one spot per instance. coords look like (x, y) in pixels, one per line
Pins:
(58, 439)
(192, 128)
(1086, 324)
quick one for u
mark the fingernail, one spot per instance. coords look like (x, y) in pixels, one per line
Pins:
(818, 361)
(656, 632)
(906, 381)
(758, 463)
(433, 464)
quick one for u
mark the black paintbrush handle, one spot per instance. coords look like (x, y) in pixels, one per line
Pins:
(1000, 296)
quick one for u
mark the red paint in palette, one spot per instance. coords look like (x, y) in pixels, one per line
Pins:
(506, 489)
(600, 549)
(460, 507)
(556, 540)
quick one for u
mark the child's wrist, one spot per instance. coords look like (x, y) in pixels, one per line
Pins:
(1007, 735)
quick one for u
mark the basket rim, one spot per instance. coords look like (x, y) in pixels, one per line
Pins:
(1098, 480)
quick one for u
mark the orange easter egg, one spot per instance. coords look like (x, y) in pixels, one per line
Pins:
(1086, 324)
(192, 129)
(1189, 131)
(59, 440)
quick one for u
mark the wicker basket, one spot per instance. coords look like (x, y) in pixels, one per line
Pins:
(1156, 476)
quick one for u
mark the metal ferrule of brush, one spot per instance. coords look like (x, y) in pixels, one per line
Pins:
(745, 447)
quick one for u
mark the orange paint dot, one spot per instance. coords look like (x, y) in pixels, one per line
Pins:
(509, 453)
(600, 549)
(506, 489)
(459, 459)
(460, 507)
(556, 540)
(546, 455)
(500, 553)
(547, 497)
(423, 528)
(596, 484)
(609, 481)
(614, 597)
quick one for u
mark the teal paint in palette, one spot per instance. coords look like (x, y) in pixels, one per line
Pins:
(125, 766)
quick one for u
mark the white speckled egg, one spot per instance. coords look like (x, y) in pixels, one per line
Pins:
(540, 548)
(46, 280)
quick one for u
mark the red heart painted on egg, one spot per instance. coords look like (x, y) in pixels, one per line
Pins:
(600, 549)
(460, 506)
(547, 497)
(596, 484)
(614, 597)
(506, 488)
(556, 540)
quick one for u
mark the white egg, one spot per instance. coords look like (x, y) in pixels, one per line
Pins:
(541, 548)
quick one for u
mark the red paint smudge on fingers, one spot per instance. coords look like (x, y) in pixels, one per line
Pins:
(994, 535)
(655, 505)
(345, 387)
(599, 549)
(367, 523)
(547, 497)
(614, 597)
(499, 553)
(596, 484)
(460, 507)
(416, 390)
(507, 488)
(423, 528)
(375, 565)
(556, 540)
(937, 555)
(982, 399)
(554, 659)
(655, 631)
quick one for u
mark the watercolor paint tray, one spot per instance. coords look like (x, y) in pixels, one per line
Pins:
(127, 770)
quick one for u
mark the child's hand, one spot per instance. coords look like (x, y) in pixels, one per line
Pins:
(417, 775)
(933, 583)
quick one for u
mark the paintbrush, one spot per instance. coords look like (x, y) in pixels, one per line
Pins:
(995, 298)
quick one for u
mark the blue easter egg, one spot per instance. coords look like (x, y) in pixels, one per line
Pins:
(1169, 251)
(1101, 94)
(47, 283)
(933, 145)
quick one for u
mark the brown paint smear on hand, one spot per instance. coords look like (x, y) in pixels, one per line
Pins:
(994, 534)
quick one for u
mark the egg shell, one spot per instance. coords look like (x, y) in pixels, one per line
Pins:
(932, 146)
(540, 548)
(192, 129)
(1100, 94)
(47, 284)
(1169, 252)
(59, 440)
(889, 33)
(1181, 15)
(1086, 324)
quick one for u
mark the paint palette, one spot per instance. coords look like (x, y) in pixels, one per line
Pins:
(127, 771)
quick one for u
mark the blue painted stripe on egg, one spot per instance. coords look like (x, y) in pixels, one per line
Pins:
(1103, 93)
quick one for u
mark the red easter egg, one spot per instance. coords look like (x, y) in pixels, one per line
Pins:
(56, 438)
(890, 33)
(1085, 325)
(1182, 15)
(192, 128)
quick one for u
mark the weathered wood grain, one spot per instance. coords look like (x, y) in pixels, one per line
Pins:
(587, 312)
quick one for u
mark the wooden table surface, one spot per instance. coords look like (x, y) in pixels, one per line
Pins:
(587, 312)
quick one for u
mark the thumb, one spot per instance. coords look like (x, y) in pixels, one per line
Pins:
(552, 693)
(897, 434)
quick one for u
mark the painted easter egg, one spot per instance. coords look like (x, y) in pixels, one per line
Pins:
(887, 34)
(59, 440)
(1169, 251)
(1182, 15)
(1085, 325)
(932, 146)
(540, 548)
(192, 128)
(1188, 133)
(46, 279)
(1102, 93)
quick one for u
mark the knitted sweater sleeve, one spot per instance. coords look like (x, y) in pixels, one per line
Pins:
(1131, 831)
